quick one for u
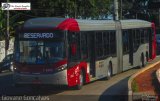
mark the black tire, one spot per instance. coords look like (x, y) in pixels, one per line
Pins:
(81, 79)
(109, 72)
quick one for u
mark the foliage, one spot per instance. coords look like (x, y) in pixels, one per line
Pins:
(94, 9)
(134, 86)
(2, 22)
(83, 9)
(136, 9)
(70, 8)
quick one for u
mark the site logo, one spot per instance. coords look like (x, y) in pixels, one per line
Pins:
(5, 6)
(16, 6)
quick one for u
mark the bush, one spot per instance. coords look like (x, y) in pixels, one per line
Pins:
(134, 86)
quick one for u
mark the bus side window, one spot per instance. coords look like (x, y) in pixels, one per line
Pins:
(84, 48)
(142, 35)
(138, 38)
(99, 45)
(125, 42)
(112, 43)
(134, 40)
(145, 36)
(106, 43)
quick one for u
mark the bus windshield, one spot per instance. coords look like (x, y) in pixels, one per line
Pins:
(39, 52)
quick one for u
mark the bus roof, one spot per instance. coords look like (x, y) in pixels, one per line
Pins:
(134, 23)
(83, 25)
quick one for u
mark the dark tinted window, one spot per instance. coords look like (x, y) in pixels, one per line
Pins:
(106, 43)
(99, 44)
(125, 38)
(84, 47)
(112, 42)
(74, 46)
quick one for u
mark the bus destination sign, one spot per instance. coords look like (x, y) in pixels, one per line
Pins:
(38, 35)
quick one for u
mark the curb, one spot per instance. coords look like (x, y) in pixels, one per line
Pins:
(130, 92)
(158, 75)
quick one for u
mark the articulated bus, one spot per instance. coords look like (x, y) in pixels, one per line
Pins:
(72, 52)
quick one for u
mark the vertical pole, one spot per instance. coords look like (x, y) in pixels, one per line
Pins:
(116, 10)
(121, 10)
(7, 36)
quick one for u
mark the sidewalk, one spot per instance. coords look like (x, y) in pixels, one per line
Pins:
(146, 83)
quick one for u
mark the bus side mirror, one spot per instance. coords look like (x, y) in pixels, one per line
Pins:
(73, 49)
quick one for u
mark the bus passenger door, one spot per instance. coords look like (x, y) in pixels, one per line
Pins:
(91, 51)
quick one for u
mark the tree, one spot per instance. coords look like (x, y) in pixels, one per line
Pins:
(70, 8)
(136, 9)
(12, 24)
(2, 22)
(94, 9)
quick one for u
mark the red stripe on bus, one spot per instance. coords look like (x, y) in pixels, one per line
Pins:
(73, 74)
(69, 24)
(59, 63)
(35, 68)
(154, 42)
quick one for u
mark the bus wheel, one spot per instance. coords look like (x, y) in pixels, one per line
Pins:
(142, 60)
(81, 81)
(109, 72)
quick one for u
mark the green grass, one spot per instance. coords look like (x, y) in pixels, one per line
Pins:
(134, 86)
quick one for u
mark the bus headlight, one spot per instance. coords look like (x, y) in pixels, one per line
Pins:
(15, 68)
(60, 68)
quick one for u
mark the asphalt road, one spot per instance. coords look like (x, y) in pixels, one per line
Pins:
(102, 90)
(115, 89)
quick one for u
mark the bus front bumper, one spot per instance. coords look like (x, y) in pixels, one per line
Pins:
(59, 78)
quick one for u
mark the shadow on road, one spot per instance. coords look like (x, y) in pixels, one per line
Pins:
(7, 88)
(156, 84)
(113, 94)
